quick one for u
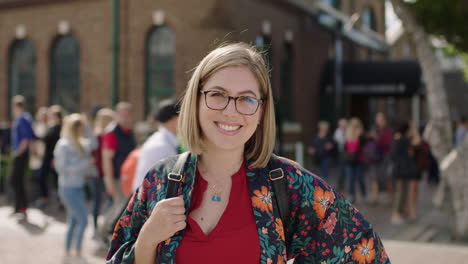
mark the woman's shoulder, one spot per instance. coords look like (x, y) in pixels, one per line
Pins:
(165, 166)
(292, 169)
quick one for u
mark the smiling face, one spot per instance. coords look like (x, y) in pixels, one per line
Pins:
(228, 129)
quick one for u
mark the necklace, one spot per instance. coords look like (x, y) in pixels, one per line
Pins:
(215, 193)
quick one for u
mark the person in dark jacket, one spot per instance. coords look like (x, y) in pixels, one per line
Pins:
(322, 148)
(404, 168)
(50, 140)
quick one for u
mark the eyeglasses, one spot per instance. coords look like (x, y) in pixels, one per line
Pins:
(245, 105)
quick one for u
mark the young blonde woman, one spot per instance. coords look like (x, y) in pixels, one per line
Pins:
(73, 161)
(354, 158)
(226, 211)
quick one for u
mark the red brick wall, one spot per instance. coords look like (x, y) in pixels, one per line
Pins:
(90, 25)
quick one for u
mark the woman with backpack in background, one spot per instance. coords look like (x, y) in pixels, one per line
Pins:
(223, 207)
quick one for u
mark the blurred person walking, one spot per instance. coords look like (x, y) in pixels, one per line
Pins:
(50, 139)
(117, 143)
(322, 148)
(384, 137)
(38, 151)
(340, 138)
(162, 144)
(372, 158)
(404, 168)
(354, 158)
(420, 150)
(461, 131)
(22, 135)
(103, 118)
(73, 161)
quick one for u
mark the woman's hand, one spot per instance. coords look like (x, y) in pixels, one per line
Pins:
(167, 217)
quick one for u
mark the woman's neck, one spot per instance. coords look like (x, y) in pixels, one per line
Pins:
(219, 164)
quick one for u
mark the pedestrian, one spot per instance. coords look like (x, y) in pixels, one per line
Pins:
(420, 151)
(22, 135)
(322, 148)
(354, 158)
(73, 162)
(224, 210)
(55, 115)
(162, 144)
(103, 118)
(117, 143)
(37, 153)
(372, 158)
(340, 138)
(384, 139)
(404, 168)
(461, 131)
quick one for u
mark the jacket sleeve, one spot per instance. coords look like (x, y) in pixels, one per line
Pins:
(328, 229)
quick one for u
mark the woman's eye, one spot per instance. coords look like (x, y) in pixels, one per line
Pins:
(246, 99)
(216, 94)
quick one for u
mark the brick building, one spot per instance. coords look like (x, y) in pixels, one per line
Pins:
(64, 51)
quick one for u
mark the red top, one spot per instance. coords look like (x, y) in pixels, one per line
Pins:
(233, 240)
(385, 139)
(109, 140)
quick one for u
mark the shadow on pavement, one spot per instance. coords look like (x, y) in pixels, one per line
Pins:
(32, 228)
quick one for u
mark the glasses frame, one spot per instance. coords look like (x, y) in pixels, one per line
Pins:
(259, 101)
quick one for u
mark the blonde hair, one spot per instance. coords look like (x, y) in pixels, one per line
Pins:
(354, 129)
(259, 147)
(103, 117)
(71, 129)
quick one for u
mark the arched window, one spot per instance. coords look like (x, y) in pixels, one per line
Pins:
(21, 73)
(286, 93)
(368, 18)
(333, 3)
(65, 73)
(160, 64)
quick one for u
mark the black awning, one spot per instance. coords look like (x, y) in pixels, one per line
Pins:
(375, 77)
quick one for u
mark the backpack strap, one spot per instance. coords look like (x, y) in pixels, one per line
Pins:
(175, 177)
(280, 189)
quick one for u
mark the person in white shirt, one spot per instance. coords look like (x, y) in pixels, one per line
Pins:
(162, 144)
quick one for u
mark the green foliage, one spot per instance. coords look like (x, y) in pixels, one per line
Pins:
(444, 18)
(451, 51)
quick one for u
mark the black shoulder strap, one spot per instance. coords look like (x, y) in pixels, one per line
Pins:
(175, 177)
(280, 189)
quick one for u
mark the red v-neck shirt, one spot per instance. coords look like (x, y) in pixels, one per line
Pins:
(233, 240)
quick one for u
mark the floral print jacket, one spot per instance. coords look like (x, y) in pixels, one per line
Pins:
(323, 226)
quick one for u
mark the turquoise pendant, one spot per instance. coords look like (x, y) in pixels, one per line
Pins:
(216, 198)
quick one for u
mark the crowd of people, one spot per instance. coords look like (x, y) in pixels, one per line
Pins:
(380, 160)
(100, 153)
(77, 162)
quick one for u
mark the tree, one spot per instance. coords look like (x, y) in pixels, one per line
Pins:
(448, 21)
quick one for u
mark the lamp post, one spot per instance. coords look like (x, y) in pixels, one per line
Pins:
(115, 52)
(338, 71)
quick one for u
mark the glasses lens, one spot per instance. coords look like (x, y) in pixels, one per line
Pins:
(216, 100)
(247, 105)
